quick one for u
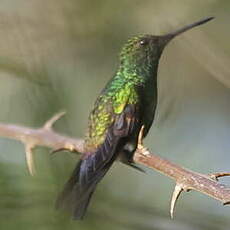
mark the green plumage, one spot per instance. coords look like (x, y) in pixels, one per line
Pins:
(133, 84)
(110, 103)
(127, 103)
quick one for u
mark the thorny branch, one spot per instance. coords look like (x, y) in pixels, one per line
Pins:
(185, 179)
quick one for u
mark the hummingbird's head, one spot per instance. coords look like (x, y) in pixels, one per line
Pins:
(142, 53)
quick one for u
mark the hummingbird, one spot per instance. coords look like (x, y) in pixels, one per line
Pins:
(126, 104)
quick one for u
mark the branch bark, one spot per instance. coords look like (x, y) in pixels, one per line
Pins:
(185, 179)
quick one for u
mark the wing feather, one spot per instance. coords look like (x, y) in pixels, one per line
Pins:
(94, 165)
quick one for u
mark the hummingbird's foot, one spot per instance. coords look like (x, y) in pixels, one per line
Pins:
(140, 136)
(140, 145)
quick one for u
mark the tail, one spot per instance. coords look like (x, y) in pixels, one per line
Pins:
(87, 174)
(75, 197)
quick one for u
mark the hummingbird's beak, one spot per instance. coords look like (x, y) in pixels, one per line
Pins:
(171, 35)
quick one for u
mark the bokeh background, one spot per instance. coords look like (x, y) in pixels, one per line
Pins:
(57, 55)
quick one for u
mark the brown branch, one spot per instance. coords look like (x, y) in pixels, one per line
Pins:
(185, 179)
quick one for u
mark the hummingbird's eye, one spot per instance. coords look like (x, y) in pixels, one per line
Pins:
(143, 42)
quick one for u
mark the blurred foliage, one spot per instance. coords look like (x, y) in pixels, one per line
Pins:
(57, 55)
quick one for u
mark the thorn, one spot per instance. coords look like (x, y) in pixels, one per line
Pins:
(48, 125)
(68, 147)
(176, 193)
(226, 203)
(29, 158)
(215, 176)
(52, 152)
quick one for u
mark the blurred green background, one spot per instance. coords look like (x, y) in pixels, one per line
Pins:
(57, 55)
